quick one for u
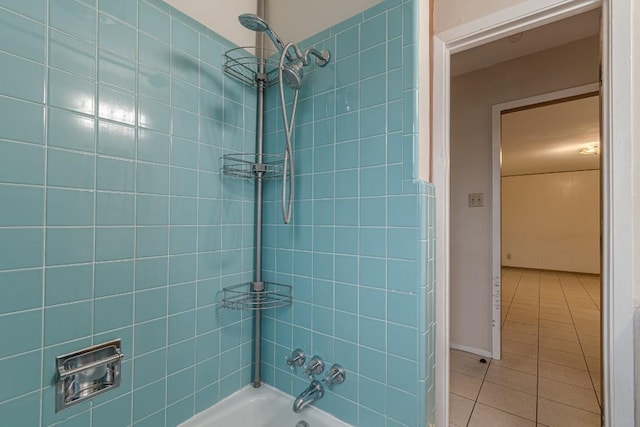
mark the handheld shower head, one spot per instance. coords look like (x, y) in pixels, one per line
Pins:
(254, 23)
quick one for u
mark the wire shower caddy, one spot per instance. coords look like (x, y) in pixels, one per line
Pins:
(254, 71)
(244, 297)
(240, 64)
(248, 166)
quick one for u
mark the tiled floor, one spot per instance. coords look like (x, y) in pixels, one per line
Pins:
(549, 374)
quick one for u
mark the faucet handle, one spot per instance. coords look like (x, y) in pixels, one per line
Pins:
(296, 359)
(337, 375)
(314, 367)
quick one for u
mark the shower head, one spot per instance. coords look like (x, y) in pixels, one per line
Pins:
(255, 23)
(292, 74)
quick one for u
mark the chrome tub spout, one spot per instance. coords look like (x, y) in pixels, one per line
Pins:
(314, 392)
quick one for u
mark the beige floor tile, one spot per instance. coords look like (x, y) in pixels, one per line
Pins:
(578, 397)
(553, 302)
(590, 340)
(523, 318)
(561, 326)
(591, 351)
(515, 311)
(465, 365)
(517, 362)
(549, 308)
(563, 318)
(521, 327)
(464, 385)
(533, 301)
(586, 313)
(562, 358)
(486, 416)
(520, 348)
(510, 334)
(593, 364)
(508, 400)
(525, 308)
(565, 374)
(459, 410)
(528, 320)
(511, 378)
(562, 345)
(587, 328)
(560, 335)
(554, 414)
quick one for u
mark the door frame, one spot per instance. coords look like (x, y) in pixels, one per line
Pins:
(496, 195)
(617, 191)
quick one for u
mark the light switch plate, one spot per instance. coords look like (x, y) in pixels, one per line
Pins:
(476, 200)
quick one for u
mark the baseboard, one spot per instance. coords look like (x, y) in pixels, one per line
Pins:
(472, 350)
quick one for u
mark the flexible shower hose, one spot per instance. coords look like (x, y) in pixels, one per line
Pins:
(287, 165)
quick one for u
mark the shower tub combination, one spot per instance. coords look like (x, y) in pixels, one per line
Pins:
(261, 407)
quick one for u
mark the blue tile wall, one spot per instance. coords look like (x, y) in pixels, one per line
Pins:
(359, 251)
(115, 220)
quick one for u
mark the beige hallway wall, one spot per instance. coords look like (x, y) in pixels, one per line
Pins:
(551, 221)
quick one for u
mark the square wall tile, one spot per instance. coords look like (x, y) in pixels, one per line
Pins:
(122, 9)
(113, 278)
(22, 79)
(71, 54)
(67, 322)
(69, 246)
(21, 36)
(20, 290)
(74, 18)
(22, 206)
(21, 163)
(20, 248)
(23, 330)
(68, 284)
(116, 70)
(116, 139)
(14, 114)
(70, 130)
(72, 92)
(22, 375)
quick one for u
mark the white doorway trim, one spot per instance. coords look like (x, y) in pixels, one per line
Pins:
(496, 246)
(617, 216)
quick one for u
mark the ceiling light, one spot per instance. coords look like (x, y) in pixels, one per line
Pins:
(590, 149)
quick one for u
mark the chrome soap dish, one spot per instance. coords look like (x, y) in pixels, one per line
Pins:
(87, 373)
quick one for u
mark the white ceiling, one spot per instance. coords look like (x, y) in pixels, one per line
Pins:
(536, 40)
(549, 138)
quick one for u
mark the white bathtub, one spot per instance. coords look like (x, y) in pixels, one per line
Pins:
(261, 407)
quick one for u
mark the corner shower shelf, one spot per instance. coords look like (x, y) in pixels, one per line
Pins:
(245, 67)
(246, 165)
(242, 297)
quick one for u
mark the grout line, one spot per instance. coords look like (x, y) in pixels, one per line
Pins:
(44, 211)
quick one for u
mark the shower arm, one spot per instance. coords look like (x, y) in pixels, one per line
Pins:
(322, 58)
